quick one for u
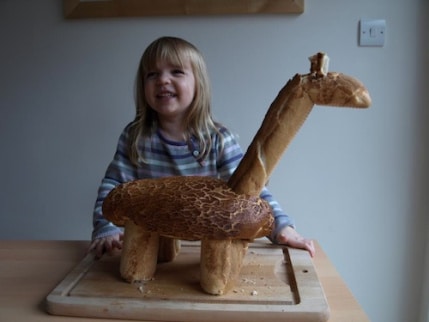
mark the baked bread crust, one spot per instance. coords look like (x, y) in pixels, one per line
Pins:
(189, 208)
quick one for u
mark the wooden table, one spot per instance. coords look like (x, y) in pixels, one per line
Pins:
(30, 270)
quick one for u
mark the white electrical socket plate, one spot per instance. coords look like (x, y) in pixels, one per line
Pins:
(372, 32)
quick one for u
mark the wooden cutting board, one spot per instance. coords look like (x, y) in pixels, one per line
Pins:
(276, 284)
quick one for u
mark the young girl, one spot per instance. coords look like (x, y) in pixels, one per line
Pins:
(174, 133)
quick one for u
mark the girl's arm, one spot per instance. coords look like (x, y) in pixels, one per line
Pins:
(105, 235)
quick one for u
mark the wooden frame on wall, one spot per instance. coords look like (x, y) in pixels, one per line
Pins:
(75, 9)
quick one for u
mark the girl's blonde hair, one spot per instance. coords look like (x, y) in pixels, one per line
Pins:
(199, 122)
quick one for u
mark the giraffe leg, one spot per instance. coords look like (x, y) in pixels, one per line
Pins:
(169, 248)
(221, 262)
(139, 253)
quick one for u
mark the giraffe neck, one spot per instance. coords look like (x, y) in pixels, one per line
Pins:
(284, 118)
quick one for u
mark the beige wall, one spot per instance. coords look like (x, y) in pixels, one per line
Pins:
(354, 180)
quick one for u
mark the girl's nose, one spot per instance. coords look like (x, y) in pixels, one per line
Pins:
(163, 78)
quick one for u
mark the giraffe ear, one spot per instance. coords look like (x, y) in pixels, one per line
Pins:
(319, 64)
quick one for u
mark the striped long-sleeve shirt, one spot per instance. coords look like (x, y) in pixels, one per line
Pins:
(163, 158)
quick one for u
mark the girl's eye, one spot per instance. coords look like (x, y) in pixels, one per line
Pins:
(178, 72)
(151, 75)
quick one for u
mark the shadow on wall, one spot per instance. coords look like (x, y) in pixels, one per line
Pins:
(421, 168)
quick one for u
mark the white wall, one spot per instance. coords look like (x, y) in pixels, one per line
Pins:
(354, 180)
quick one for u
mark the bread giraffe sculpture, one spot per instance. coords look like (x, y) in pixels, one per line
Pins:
(225, 216)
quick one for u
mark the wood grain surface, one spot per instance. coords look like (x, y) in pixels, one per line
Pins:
(31, 269)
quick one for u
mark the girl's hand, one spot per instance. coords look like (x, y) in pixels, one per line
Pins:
(99, 246)
(289, 236)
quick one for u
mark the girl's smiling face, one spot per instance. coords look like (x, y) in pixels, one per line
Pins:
(170, 89)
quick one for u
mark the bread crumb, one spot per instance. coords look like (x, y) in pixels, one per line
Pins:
(248, 281)
(254, 293)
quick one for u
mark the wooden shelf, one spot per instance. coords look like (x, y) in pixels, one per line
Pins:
(76, 9)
